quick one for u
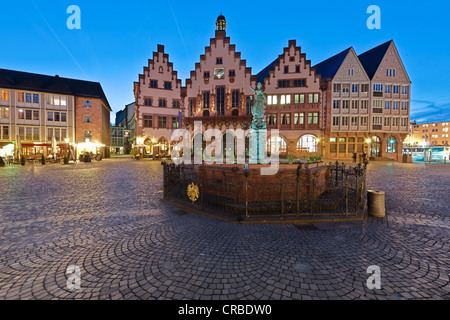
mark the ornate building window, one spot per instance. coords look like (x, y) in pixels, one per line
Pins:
(175, 124)
(391, 145)
(280, 141)
(206, 99)
(285, 118)
(235, 99)
(248, 105)
(307, 143)
(191, 107)
(313, 118)
(272, 119)
(163, 103)
(299, 118)
(162, 122)
(148, 121)
(220, 101)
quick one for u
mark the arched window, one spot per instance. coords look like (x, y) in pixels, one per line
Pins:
(229, 150)
(235, 112)
(163, 144)
(206, 113)
(282, 144)
(391, 145)
(198, 143)
(307, 143)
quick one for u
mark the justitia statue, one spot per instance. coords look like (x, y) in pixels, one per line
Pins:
(258, 129)
(258, 108)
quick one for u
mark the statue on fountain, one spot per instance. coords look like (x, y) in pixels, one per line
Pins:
(258, 108)
(258, 129)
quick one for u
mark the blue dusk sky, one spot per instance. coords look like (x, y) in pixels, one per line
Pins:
(118, 37)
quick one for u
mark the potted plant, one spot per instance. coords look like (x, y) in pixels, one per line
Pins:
(22, 160)
(290, 158)
(43, 160)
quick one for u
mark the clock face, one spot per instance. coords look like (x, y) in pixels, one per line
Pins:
(219, 73)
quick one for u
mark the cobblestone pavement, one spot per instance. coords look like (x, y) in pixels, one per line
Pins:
(106, 218)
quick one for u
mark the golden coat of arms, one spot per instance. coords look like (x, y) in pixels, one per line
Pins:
(193, 192)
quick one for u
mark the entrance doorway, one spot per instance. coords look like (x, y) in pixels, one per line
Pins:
(375, 149)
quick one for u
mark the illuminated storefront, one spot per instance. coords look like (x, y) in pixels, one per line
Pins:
(89, 147)
(7, 150)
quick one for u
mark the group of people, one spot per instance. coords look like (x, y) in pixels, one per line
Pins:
(89, 156)
(362, 157)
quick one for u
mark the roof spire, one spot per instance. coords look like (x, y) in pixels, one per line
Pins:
(221, 23)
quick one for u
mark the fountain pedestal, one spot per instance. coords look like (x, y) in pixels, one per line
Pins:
(257, 141)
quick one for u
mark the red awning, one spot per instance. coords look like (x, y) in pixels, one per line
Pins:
(2, 144)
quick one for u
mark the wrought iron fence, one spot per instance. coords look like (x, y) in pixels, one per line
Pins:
(237, 193)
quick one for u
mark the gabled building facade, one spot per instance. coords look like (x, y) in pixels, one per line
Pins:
(390, 94)
(295, 102)
(159, 104)
(218, 92)
(369, 103)
(348, 102)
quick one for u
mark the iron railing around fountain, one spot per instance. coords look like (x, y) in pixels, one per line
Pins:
(236, 193)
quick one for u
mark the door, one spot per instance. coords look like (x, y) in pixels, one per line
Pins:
(375, 149)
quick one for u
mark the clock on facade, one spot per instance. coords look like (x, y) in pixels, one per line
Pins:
(219, 73)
